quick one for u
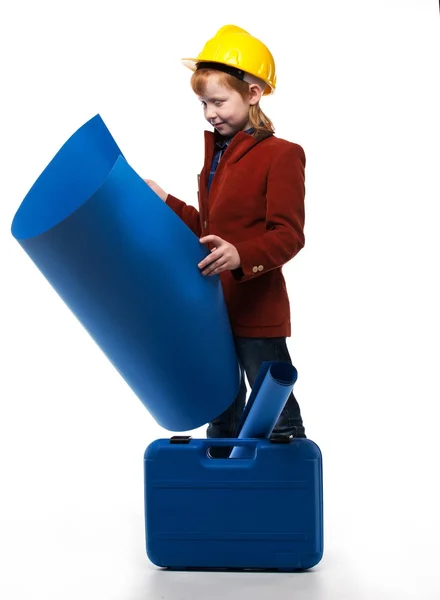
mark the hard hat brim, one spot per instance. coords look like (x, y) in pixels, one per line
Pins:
(191, 63)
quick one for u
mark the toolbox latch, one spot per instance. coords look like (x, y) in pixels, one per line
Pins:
(180, 439)
(280, 439)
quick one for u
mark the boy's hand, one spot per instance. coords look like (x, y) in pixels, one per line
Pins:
(224, 256)
(158, 190)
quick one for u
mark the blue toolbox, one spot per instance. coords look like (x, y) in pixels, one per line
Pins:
(262, 510)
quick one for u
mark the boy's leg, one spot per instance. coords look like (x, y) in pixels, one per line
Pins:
(252, 352)
(224, 425)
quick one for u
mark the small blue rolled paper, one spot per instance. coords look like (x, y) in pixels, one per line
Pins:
(272, 387)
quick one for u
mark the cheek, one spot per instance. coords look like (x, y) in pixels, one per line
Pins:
(231, 115)
(240, 113)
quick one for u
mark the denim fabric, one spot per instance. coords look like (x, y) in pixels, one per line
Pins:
(251, 353)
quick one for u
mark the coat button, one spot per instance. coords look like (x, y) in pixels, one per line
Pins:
(260, 267)
(255, 269)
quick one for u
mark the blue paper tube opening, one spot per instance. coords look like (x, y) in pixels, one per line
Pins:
(126, 266)
(274, 382)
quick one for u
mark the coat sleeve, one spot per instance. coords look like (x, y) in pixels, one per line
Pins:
(284, 236)
(189, 214)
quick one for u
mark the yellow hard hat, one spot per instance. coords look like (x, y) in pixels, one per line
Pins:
(237, 52)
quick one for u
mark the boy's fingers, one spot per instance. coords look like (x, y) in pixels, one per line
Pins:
(206, 261)
(215, 254)
(210, 238)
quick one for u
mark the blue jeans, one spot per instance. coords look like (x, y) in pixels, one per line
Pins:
(251, 353)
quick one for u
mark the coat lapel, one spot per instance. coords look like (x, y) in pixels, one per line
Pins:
(241, 143)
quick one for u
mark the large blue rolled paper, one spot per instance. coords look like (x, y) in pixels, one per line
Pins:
(272, 387)
(126, 266)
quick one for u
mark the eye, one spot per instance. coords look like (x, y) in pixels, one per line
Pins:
(203, 103)
(218, 103)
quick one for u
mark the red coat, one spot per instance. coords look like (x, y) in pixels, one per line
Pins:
(256, 202)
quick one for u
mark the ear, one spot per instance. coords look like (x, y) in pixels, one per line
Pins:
(255, 93)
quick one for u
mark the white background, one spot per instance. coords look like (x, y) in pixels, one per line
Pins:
(359, 90)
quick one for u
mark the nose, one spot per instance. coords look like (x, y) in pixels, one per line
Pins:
(210, 113)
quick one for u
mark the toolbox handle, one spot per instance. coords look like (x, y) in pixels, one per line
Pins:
(250, 444)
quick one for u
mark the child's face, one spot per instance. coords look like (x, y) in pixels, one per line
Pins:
(225, 109)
